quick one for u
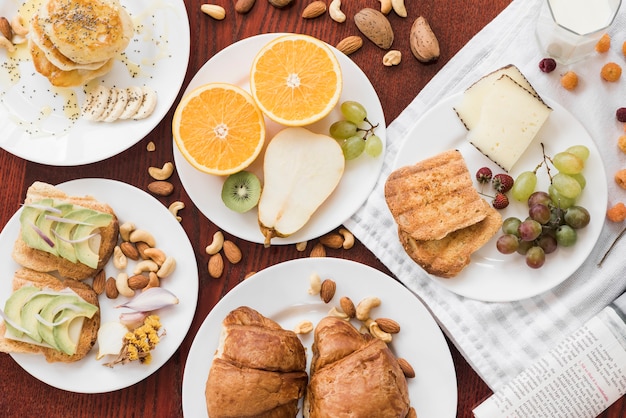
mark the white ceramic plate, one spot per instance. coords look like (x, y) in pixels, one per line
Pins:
(280, 293)
(492, 276)
(33, 121)
(133, 205)
(232, 65)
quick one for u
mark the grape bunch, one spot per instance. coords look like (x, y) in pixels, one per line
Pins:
(353, 138)
(553, 216)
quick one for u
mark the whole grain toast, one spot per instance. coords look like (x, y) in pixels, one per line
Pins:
(434, 197)
(448, 256)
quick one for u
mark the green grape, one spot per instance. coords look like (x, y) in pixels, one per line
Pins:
(524, 186)
(580, 179)
(566, 236)
(373, 146)
(535, 257)
(510, 226)
(352, 147)
(566, 185)
(568, 163)
(342, 129)
(353, 111)
(580, 151)
(558, 199)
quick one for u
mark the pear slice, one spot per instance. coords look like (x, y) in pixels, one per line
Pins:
(301, 169)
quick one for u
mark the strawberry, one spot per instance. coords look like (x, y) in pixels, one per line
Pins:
(483, 175)
(502, 182)
(500, 201)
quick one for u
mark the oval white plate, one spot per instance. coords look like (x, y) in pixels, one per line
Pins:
(492, 276)
(280, 293)
(133, 205)
(33, 123)
(232, 65)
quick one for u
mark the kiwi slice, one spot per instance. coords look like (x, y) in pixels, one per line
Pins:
(241, 191)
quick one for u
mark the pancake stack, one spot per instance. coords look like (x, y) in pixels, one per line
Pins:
(74, 41)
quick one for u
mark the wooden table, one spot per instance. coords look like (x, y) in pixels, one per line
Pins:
(160, 395)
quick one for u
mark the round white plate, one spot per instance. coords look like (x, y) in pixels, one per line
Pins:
(33, 121)
(280, 293)
(232, 65)
(492, 276)
(130, 205)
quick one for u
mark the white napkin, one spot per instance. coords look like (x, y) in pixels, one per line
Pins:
(499, 340)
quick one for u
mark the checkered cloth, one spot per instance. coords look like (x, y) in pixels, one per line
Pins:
(499, 340)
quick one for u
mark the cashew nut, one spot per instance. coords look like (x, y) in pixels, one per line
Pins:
(399, 7)
(315, 284)
(301, 246)
(156, 255)
(6, 44)
(365, 306)
(141, 235)
(377, 332)
(217, 243)
(153, 281)
(125, 229)
(121, 283)
(213, 10)
(175, 207)
(17, 25)
(161, 173)
(167, 267)
(119, 258)
(304, 327)
(338, 314)
(348, 238)
(145, 265)
(385, 6)
(334, 10)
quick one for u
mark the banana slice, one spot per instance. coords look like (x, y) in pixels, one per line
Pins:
(119, 106)
(135, 97)
(96, 103)
(147, 104)
(110, 104)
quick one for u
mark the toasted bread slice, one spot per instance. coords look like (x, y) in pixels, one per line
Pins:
(434, 197)
(448, 256)
(89, 333)
(42, 261)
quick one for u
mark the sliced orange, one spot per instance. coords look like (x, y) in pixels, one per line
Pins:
(296, 80)
(219, 128)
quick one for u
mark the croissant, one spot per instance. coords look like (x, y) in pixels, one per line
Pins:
(353, 375)
(259, 369)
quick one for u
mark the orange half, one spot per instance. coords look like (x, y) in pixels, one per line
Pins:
(296, 80)
(219, 128)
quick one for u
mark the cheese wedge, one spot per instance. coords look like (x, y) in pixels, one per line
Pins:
(469, 108)
(510, 117)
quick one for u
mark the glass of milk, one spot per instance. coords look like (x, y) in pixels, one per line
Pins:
(567, 30)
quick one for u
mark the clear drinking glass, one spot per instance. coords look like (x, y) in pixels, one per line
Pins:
(567, 30)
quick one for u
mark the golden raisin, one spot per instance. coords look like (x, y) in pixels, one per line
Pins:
(617, 213)
(621, 143)
(604, 43)
(569, 80)
(611, 71)
(620, 178)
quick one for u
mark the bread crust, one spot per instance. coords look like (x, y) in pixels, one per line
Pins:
(45, 262)
(89, 333)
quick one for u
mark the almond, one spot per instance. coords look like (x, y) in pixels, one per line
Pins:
(216, 266)
(99, 282)
(350, 44)
(5, 28)
(406, 367)
(332, 240)
(318, 250)
(138, 281)
(314, 9)
(388, 325)
(129, 250)
(232, 252)
(328, 290)
(161, 188)
(141, 247)
(244, 6)
(110, 288)
(423, 42)
(280, 3)
(347, 306)
(375, 26)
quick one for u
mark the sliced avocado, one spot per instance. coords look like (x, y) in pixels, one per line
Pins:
(14, 304)
(63, 333)
(28, 218)
(28, 316)
(84, 251)
(55, 311)
(63, 232)
(45, 225)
